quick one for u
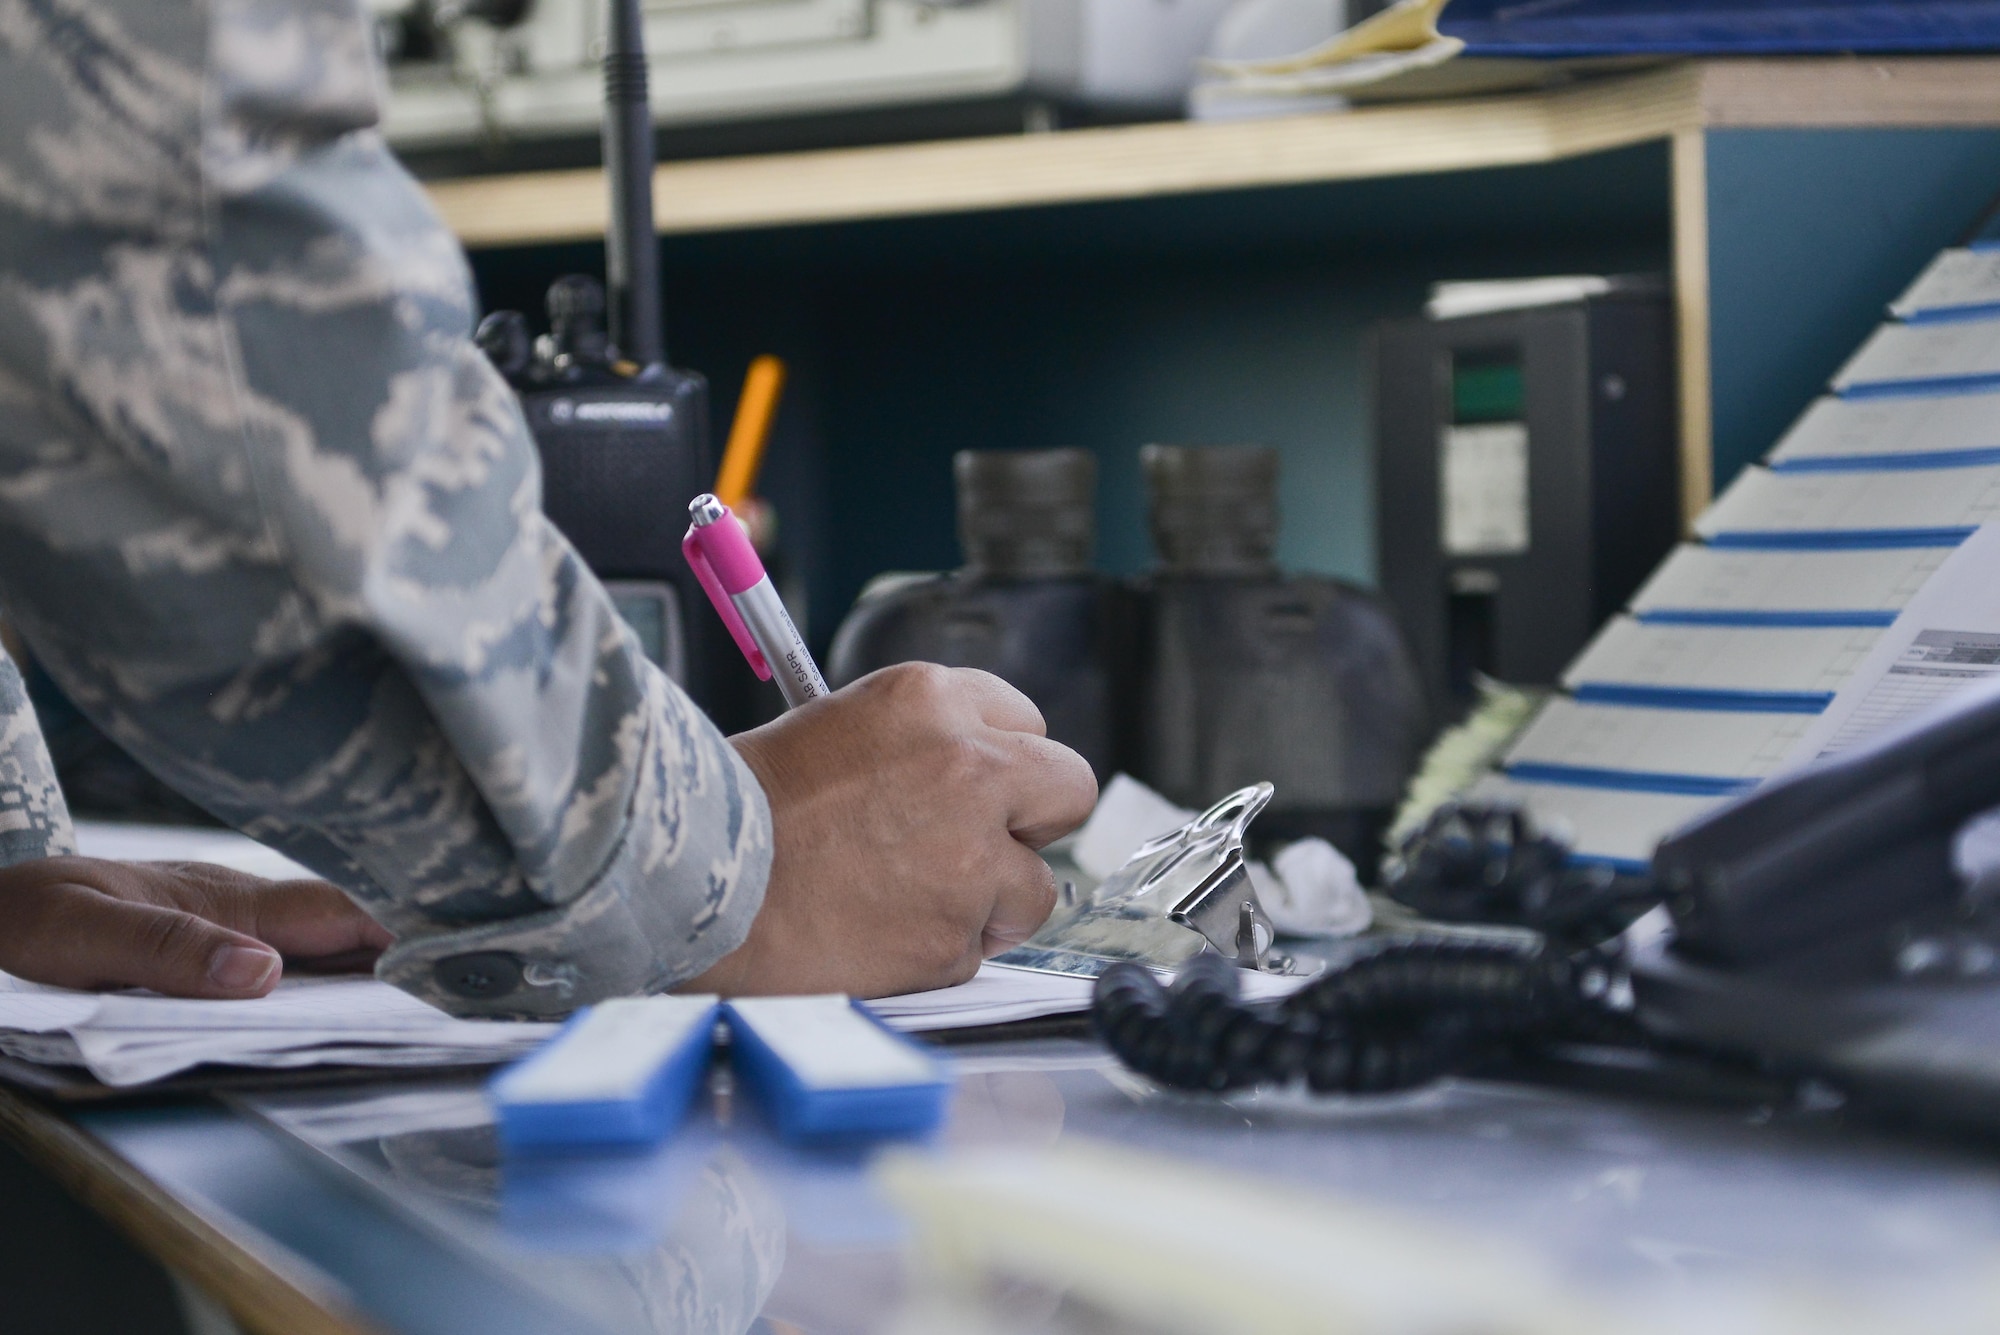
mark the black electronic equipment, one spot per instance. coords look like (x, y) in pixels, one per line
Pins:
(1526, 479)
(1845, 847)
(623, 437)
(1821, 924)
(1247, 673)
(1026, 607)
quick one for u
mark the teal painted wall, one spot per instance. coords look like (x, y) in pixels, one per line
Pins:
(1811, 234)
(1231, 317)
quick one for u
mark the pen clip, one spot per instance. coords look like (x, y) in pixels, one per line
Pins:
(725, 606)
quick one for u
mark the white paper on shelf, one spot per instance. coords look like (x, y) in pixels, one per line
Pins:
(1700, 743)
(1903, 353)
(1835, 428)
(1604, 823)
(1956, 279)
(1801, 659)
(1710, 579)
(1761, 501)
(1946, 640)
(1456, 300)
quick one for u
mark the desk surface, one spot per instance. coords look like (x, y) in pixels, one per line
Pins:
(387, 1211)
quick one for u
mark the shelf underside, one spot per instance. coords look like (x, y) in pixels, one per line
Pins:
(1136, 162)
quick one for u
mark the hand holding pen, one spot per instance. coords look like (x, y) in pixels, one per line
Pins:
(905, 811)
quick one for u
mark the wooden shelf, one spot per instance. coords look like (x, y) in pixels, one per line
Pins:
(1138, 162)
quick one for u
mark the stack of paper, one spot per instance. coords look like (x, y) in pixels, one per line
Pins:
(132, 1038)
(1000, 994)
(1731, 663)
(1400, 40)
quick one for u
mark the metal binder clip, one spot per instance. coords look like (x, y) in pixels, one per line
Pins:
(1179, 895)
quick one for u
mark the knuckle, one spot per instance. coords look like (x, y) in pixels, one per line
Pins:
(924, 685)
(967, 762)
(174, 938)
(66, 868)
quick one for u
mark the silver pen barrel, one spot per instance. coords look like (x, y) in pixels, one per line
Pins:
(792, 665)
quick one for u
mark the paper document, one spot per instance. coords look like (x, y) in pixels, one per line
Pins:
(1696, 751)
(1806, 662)
(1483, 469)
(1958, 284)
(1927, 500)
(1406, 25)
(1919, 358)
(1842, 433)
(129, 1038)
(1000, 993)
(181, 843)
(1947, 639)
(1847, 587)
(132, 1038)
(1397, 41)
(1605, 824)
(1452, 301)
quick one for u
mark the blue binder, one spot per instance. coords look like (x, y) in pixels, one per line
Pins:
(1719, 27)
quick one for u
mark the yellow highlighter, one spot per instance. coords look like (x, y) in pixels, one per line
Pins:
(751, 431)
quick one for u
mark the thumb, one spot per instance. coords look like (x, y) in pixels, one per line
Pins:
(83, 939)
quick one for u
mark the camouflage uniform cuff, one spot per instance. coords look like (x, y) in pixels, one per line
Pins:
(629, 934)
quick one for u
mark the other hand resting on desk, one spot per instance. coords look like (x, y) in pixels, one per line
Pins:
(185, 929)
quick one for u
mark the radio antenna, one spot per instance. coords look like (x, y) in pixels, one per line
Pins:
(632, 249)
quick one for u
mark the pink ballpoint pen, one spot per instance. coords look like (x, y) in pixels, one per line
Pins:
(734, 579)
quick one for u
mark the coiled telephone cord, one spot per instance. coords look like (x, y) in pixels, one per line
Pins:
(1406, 1009)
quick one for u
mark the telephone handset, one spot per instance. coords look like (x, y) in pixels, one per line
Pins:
(1848, 845)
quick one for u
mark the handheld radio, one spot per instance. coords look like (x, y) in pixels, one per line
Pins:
(623, 436)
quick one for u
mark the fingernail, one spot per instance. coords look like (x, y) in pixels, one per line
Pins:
(240, 968)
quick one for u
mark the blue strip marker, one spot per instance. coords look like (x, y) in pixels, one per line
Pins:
(1919, 461)
(1629, 781)
(1631, 866)
(825, 1068)
(1688, 697)
(1841, 539)
(1715, 616)
(621, 1073)
(1969, 313)
(1940, 386)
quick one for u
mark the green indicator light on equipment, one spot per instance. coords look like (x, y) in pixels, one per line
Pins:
(1487, 389)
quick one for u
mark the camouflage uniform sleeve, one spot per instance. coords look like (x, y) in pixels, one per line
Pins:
(34, 820)
(273, 522)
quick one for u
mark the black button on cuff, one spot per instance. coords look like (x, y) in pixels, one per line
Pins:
(480, 976)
